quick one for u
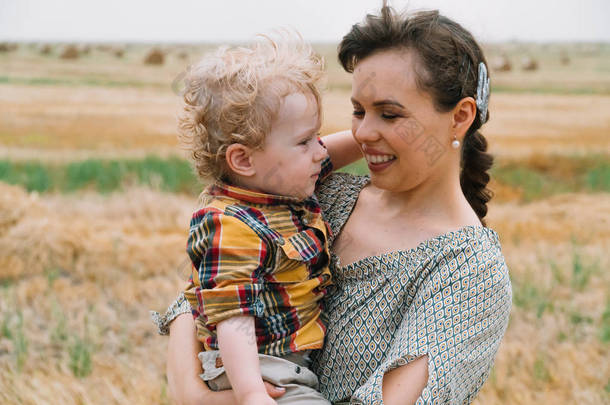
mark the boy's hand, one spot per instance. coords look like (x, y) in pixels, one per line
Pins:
(258, 398)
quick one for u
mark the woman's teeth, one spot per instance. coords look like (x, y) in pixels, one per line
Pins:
(379, 158)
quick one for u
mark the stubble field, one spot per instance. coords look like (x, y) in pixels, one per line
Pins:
(95, 199)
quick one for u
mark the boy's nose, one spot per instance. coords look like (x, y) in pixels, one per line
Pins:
(320, 153)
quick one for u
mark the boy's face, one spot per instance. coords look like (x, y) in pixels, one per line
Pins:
(290, 161)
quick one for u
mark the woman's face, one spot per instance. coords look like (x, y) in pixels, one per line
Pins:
(405, 140)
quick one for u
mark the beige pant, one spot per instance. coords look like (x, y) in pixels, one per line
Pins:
(289, 371)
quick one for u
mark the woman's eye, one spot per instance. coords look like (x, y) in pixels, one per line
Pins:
(358, 113)
(389, 116)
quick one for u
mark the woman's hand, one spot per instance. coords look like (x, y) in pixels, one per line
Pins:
(183, 369)
(342, 148)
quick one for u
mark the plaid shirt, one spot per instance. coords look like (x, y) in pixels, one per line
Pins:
(260, 255)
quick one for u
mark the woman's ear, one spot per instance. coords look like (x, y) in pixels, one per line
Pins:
(239, 160)
(463, 116)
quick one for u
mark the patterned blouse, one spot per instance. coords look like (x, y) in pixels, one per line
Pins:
(448, 298)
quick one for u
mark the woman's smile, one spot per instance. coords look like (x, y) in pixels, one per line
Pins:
(377, 160)
(377, 163)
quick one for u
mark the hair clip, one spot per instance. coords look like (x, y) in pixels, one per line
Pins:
(483, 93)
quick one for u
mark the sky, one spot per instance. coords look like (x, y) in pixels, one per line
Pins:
(317, 20)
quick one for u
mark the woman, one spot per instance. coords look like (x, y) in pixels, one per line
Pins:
(422, 293)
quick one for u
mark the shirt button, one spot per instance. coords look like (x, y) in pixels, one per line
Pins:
(298, 370)
(305, 221)
(280, 241)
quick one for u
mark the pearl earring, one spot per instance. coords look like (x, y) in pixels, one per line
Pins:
(455, 144)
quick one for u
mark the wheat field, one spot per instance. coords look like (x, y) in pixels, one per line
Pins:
(80, 269)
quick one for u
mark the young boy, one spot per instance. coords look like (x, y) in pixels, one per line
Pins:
(258, 244)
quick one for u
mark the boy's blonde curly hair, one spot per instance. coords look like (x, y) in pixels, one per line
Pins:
(232, 96)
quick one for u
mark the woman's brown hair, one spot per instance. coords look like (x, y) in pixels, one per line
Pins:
(448, 58)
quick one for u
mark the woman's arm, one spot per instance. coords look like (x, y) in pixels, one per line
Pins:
(342, 148)
(404, 384)
(183, 369)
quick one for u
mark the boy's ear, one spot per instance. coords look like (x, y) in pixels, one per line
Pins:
(239, 160)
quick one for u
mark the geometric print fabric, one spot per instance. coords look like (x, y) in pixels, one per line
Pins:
(449, 298)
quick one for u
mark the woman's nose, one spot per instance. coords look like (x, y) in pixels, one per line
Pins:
(364, 131)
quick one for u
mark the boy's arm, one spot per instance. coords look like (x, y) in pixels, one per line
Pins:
(238, 350)
(342, 148)
(183, 369)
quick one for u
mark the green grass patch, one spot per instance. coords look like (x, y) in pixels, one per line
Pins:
(543, 177)
(80, 353)
(59, 332)
(577, 318)
(598, 178)
(532, 183)
(79, 81)
(359, 167)
(170, 174)
(557, 89)
(582, 270)
(604, 330)
(12, 329)
(536, 178)
(541, 369)
(31, 175)
(528, 296)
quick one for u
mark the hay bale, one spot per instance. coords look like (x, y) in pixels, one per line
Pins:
(4, 47)
(501, 64)
(529, 64)
(564, 59)
(45, 49)
(69, 52)
(154, 57)
(118, 52)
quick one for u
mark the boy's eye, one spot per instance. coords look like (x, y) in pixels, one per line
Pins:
(358, 113)
(309, 139)
(388, 116)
